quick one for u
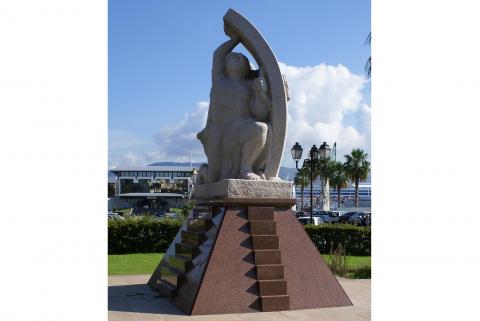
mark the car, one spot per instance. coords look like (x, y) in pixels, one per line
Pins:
(306, 220)
(338, 213)
(345, 218)
(360, 218)
(367, 221)
(327, 216)
(172, 215)
(114, 216)
(300, 213)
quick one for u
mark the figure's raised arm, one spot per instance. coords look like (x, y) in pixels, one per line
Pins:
(219, 55)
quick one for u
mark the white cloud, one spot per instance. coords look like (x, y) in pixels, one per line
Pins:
(326, 105)
(176, 142)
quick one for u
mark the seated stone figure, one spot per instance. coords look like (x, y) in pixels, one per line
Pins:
(236, 138)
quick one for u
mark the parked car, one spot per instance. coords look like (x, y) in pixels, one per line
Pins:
(367, 221)
(345, 218)
(114, 216)
(360, 218)
(172, 215)
(306, 220)
(327, 216)
(300, 214)
(369, 218)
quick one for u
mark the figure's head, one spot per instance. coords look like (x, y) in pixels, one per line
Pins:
(237, 65)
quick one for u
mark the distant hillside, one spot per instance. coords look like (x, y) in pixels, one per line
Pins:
(196, 165)
(287, 173)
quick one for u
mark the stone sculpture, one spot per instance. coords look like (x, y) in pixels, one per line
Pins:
(245, 131)
(241, 249)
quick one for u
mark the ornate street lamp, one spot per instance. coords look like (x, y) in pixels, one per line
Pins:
(297, 151)
(324, 151)
(314, 153)
(313, 156)
(316, 157)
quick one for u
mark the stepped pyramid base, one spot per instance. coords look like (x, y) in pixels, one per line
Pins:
(252, 259)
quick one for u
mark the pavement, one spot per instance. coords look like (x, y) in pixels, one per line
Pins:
(130, 299)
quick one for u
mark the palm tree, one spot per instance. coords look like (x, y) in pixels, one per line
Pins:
(338, 179)
(324, 169)
(368, 64)
(357, 168)
(302, 179)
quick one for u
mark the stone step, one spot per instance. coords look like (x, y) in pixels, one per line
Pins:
(171, 276)
(270, 272)
(193, 238)
(260, 213)
(275, 303)
(267, 257)
(166, 289)
(185, 250)
(272, 287)
(263, 227)
(199, 224)
(265, 242)
(179, 263)
(202, 212)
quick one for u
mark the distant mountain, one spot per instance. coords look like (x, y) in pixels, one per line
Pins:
(287, 173)
(196, 165)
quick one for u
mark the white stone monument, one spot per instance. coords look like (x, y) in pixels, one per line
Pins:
(247, 119)
(242, 249)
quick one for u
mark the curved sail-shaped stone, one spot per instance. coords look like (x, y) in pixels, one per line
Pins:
(263, 54)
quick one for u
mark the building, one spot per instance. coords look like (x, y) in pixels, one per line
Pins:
(347, 196)
(150, 188)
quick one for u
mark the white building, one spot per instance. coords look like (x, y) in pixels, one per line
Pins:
(151, 188)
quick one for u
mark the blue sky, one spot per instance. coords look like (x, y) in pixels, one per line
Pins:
(160, 61)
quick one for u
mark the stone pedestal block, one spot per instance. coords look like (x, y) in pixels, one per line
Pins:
(257, 259)
(244, 190)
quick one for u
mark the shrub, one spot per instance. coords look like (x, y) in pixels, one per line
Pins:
(148, 235)
(361, 272)
(327, 237)
(338, 261)
(141, 235)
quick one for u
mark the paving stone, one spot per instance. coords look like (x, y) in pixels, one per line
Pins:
(153, 308)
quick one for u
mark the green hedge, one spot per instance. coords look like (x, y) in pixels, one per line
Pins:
(355, 240)
(148, 235)
(141, 235)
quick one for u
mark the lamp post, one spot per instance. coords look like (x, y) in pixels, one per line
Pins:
(297, 151)
(324, 152)
(312, 160)
(316, 155)
(194, 181)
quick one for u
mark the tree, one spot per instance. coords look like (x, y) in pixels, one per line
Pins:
(368, 65)
(302, 179)
(338, 179)
(357, 168)
(324, 168)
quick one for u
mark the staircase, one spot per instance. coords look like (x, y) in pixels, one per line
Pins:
(173, 272)
(272, 285)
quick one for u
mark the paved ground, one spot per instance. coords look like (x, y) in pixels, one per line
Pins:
(129, 299)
